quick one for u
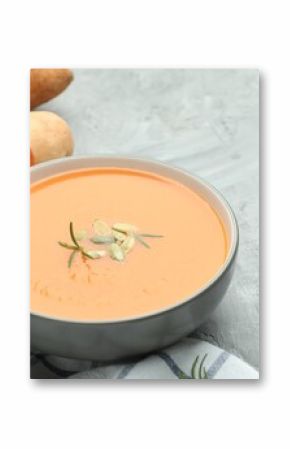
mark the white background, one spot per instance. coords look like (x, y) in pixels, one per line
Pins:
(165, 34)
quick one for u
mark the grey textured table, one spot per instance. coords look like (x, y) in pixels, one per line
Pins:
(206, 121)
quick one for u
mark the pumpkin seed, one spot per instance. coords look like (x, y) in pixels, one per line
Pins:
(101, 228)
(96, 254)
(102, 239)
(125, 228)
(128, 244)
(119, 236)
(81, 235)
(116, 252)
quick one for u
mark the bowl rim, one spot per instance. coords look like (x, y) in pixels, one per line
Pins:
(234, 243)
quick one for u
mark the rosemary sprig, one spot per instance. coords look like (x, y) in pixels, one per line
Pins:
(198, 372)
(120, 238)
(74, 248)
(202, 371)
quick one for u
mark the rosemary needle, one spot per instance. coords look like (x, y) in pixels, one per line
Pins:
(71, 258)
(139, 238)
(152, 235)
(67, 246)
(71, 230)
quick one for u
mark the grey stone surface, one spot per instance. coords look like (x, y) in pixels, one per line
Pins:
(206, 121)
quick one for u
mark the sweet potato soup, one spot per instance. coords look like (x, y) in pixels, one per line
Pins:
(110, 243)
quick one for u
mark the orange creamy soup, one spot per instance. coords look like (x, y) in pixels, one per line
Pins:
(191, 251)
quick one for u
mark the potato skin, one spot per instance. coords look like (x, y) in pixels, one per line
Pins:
(32, 161)
(50, 136)
(46, 84)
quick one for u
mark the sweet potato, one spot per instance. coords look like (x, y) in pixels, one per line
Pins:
(50, 136)
(46, 84)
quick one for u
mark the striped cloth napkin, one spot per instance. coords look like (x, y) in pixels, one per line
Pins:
(189, 359)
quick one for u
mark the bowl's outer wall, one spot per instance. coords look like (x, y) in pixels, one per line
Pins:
(110, 341)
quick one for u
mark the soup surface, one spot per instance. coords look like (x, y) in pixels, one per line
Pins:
(191, 251)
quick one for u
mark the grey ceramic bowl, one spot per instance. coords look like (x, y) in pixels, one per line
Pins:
(116, 339)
